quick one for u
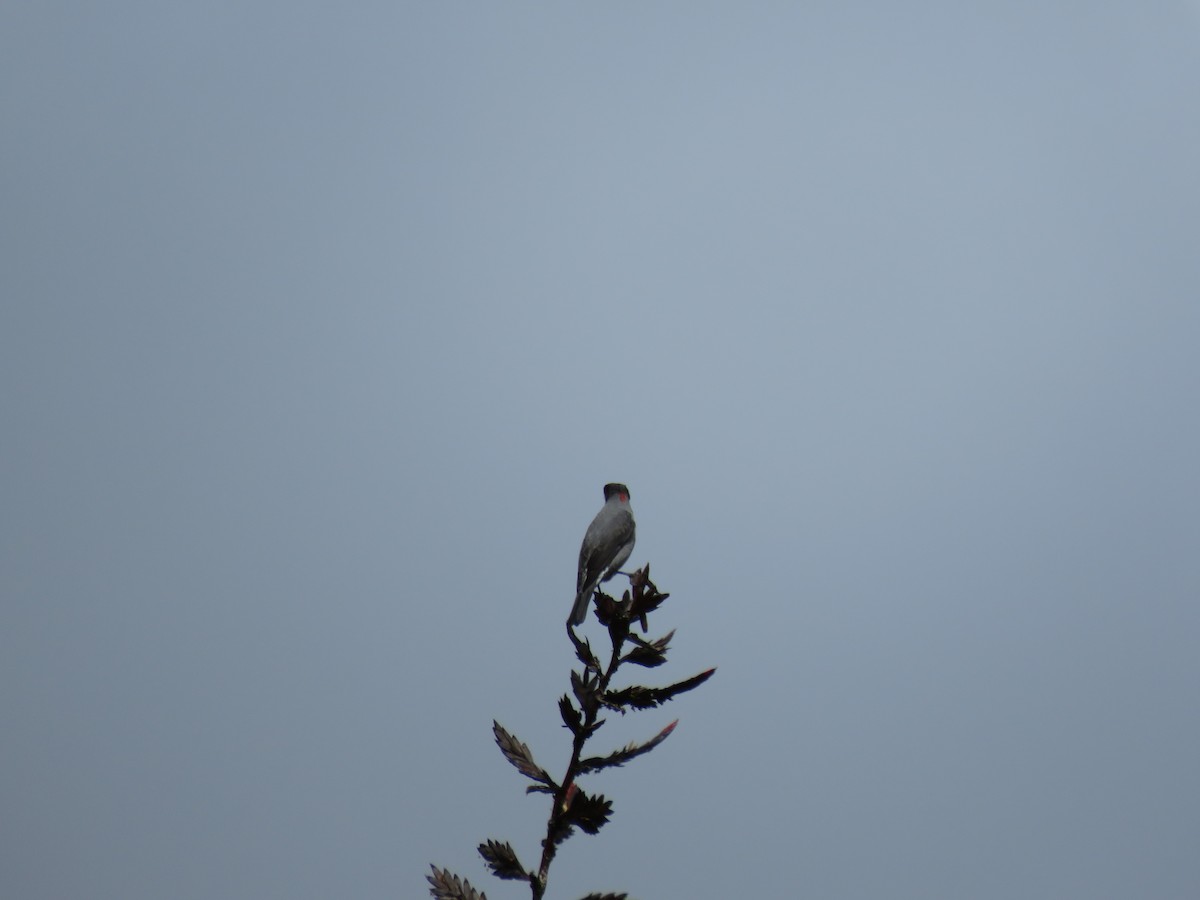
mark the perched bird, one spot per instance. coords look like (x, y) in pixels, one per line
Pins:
(606, 546)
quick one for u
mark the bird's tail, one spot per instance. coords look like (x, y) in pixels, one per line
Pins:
(579, 611)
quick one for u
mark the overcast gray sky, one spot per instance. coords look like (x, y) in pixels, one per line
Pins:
(323, 326)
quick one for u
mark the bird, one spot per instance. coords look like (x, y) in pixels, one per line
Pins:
(606, 545)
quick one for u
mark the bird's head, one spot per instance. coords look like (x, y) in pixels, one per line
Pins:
(613, 489)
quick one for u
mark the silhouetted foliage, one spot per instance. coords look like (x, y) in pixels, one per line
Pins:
(573, 808)
(502, 860)
(446, 886)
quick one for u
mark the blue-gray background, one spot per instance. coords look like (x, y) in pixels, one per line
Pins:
(322, 327)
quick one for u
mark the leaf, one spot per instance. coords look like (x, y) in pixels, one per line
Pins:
(447, 886)
(606, 897)
(583, 650)
(518, 754)
(570, 715)
(640, 697)
(618, 625)
(646, 602)
(502, 860)
(588, 812)
(586, 692)
(648, 653)
(630, 751)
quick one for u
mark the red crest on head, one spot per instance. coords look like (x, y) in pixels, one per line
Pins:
(616, 488)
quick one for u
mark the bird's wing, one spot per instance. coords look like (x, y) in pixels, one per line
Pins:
(624, 530)
(614, 536)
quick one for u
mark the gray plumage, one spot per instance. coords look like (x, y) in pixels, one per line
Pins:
(606, 545)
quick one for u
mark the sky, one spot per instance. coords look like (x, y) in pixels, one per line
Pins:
(323, 327)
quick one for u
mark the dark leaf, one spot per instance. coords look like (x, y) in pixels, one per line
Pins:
(447, 886)
(586, 692)
(644, 656)
(606, 608)
(518, 754)
(620, 757)
(583, 650)
(606, 897)
(646, 602)
(641, 576)
(588, 812)
(645, 599)
(646, 698)
(502, 860)
(661, 643)
(570, 715)
(618, 624)
(648, 653)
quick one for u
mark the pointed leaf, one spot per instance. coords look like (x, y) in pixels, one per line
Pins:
(502, 860)
(588, 812)
(646, 597)
(444, 885)
(640, 697)
(646, 602)
(586, 692)
(518, 754)
(583, 650)
(570, 715)
(630, 751)
(648, 653)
